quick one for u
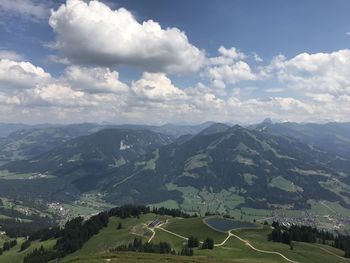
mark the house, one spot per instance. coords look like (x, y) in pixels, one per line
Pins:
(155, 222)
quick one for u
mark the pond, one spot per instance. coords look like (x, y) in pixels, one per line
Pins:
(224, 224)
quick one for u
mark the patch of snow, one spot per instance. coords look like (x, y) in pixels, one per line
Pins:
(124, 146)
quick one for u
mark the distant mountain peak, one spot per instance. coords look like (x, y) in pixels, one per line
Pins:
(215, 128)
(267, 121)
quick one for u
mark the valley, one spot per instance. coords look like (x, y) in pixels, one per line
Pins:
(249, 174)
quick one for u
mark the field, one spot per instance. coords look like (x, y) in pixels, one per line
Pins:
(327, 215)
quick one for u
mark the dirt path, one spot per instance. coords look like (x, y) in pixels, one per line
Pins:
(223, 242)
(263, 251)
(153, 234)
(172, 233)
(230, 234)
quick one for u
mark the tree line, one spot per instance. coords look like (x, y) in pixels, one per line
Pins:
(308, 234)
(138, 246)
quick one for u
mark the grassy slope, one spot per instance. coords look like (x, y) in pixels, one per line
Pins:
(175, 242)
(110, 237)
(97, 248)
(301, 252)
(235, 249)
(15, 256)
(129, 257)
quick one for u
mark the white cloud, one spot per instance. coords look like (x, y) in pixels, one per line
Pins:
(31, 9)
(257, 58)
(227, 56)
(231, 53)
(29, 93)
(314, 73)
(10, 55)
(16, 75)
(55, 95)
(229, 67)
(233, 73)
(94, 80)
(93, 34)
(156, 86)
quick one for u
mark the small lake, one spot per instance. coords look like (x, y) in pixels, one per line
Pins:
(224, 224)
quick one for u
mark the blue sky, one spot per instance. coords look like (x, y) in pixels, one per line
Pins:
(234, 61)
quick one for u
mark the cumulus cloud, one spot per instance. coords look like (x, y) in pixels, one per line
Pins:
(231, 53)
(156, 86)
(27, 86)
(95, 80)
(226, 56)
(313, 73)
(55, 95)
(93, 34)
(16, 75)
(228, 67)
(233, 73)
(98, 94)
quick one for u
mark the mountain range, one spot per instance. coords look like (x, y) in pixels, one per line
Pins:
(263, 166)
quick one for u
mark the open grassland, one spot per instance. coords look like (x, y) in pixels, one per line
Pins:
(248, 246)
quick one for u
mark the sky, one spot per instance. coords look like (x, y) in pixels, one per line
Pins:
(164, 61)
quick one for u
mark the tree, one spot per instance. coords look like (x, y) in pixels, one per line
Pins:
(192, 242)
(208, 243)
(25, 245)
